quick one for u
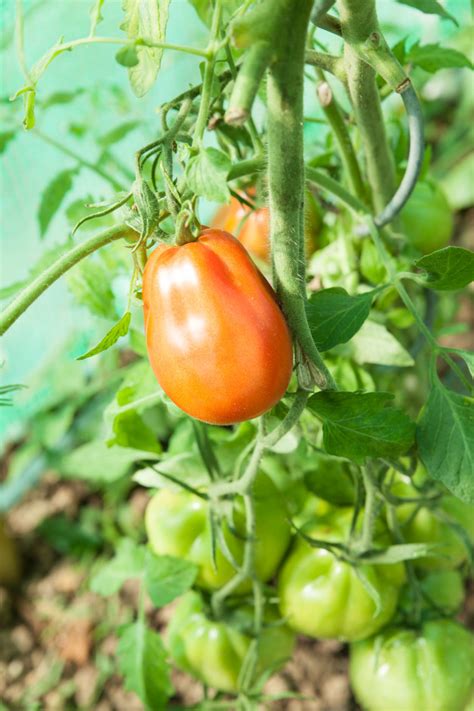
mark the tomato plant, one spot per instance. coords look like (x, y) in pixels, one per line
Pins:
(290, 384)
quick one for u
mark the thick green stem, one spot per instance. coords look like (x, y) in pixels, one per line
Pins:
(206, 93)
(250, 74)
(334, 188)
(328, 62)
(286, 170)
(359, 23)
(30, 293)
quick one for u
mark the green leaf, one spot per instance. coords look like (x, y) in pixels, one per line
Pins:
(61, 97)
(204, 9)
(52, 197)
(445, 437)
(41, 65)
(361, 425)
(370, 265)
(5, 139)
(375, 344)
(432, 57)
(147, 205)
(429, 7)
(96, 16)
(448, 269)
(334, 316)
(330, 479)
(69, 537)
(166, 577)
(145, 20)
(117, 133)
(142, 661)
(117, 331)
(207, 173)
(90, 284)
(128, 562)
(467, 356)
(99, 464)
(400, 552)
(127, 56)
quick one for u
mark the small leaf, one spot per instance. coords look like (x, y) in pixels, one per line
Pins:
(207, 173)
(117, 331)
(334, 316)
(445, 437)
(96, 16)
(145, 20)
(61, 97)
(166, 577)
(375, 344)
(41, 65)
(53, 196)
(432, 57)
(429, 7)
(117, 133)
(5, 139)
(128, 562)
(142, 661)
(360, 425)
(98, 464)
(127, 56)
(448, 269)
(400, 552)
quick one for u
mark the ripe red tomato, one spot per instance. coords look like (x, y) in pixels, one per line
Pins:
(252, 228)
(217, 341)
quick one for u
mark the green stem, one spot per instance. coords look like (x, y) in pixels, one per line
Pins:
(286, 167)
(250, 74)
(340, 131)
(66, 46)
(359, 23)
(206, 93)
(327, 62)
(246, 167)
(44, 280)
(85, 163)
(332, 186)
(371, 509)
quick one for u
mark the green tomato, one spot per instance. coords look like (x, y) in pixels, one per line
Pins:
(423, 526)
(427, 218)
(178, 524)
(430, 669)
(214, 651)
(322, 596)
(443, 591)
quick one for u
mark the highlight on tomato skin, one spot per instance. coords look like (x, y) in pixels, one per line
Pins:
(217, 340)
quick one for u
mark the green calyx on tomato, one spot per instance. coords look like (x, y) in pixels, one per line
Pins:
(427, 218)
(429, 669)
(323, 596)
(178, 523)
(214, 651)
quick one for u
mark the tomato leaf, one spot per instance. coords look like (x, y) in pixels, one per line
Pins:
(142, 661)
(90, 285)
(145, 20)
(5, 139)
(96, 16)
(117, 331)
(448, 269)
(360, 425)
(117, 133)
(432, 57)
(207, 173)
(430, 7)
(375, 344)
(128, 562)
(166, 577)
(52, 197)
(400, 552)
(445, 437)
(99, 464)
(334, 316)
(61, 97)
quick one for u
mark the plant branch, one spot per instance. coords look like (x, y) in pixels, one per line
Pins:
(328, 62)
(206, 93)
(44, 280)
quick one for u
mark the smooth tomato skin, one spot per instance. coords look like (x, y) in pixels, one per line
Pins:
(178, 524)
(442, 589)
(427, 218)
(323, 597)
(217, 340)
(214, 651)
(252, 227)
(430, 669)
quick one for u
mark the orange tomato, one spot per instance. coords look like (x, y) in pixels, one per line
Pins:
(217, 340)
(252, 227)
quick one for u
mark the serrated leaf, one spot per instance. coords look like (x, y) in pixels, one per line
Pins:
(142, 661)
(334, 316)
(127, 56)
(375, 344)
(52, 197)
(166, 577)
(117, 133)
(206, 174)
(360, 425)
(429, 7)
(5, 139)
(146, 20)
(111, 337)
(400, 552)
(445, 437)
(128, 562)
(448, 269)
(95, 15)
(432, 57)
(99, 464)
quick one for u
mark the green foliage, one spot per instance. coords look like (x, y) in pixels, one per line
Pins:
(207, 174)
(334, 316)
(53, 196)
(430, 7)
(118, 330)
(448, 269)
